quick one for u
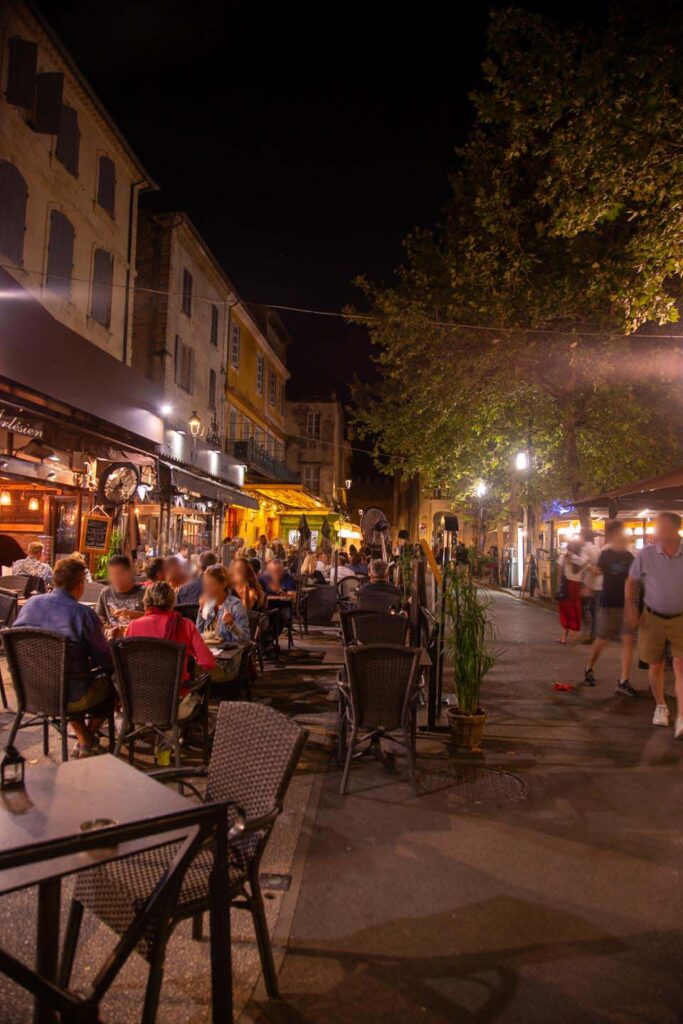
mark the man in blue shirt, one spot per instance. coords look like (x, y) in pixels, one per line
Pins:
(191, 592)
(87, 690)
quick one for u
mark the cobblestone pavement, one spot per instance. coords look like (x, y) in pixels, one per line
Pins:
(537, 881)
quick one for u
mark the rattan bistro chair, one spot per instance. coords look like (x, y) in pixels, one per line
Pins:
(379, 628)
(148, 675)
(255, 751)
(20, 585)
(8, 613)
(378, 700)
(38, 664)
(348, 587)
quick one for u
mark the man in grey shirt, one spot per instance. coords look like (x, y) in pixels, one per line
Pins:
(659, 567)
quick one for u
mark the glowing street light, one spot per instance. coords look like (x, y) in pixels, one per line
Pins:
(522, 460)
(481, 489)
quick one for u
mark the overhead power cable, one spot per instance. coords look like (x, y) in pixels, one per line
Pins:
(362, 318)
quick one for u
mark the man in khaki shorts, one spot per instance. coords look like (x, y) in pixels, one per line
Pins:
(659, 567)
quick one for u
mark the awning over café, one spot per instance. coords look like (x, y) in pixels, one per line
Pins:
(292, 497)
(40, 353)
(211, 490)
(653, 494)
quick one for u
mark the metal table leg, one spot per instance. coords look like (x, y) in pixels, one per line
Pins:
(47, 947)
(219, 916)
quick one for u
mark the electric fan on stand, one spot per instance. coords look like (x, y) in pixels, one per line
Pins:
(374, 526)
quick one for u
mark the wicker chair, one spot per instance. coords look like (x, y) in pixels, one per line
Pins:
(188, 611)
(300, 606)
(20, 585)
(379, 699)
(379, 628)
(8, 613)
(37, 660)
(348, 587)
(255, 751)
(148, 674)
(91, 592)
(258, 625)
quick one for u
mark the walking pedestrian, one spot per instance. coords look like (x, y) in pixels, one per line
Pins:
(592, 582)
(571, 569)
(659, 567)
(613, 566)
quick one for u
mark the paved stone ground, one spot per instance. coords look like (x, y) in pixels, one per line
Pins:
(551, 894)
(536, 881)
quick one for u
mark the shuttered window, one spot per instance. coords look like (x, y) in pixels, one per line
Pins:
(68, 140)
(106, 184)
(21, 74)
(214, 325)
(100, 309)
(47, 112)
(311, 478)
(212, 389)
(186, 304)
(272, 387)
(13, 195)
(60, 254)
(313, 425)
(260, 371)
(184, 366)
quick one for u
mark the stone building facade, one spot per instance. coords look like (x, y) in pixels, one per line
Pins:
(317, 450)
(69, 187)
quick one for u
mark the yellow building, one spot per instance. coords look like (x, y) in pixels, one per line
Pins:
(256, 381)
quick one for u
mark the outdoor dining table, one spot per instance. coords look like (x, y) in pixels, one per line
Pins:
(85, 813)
(334, 655)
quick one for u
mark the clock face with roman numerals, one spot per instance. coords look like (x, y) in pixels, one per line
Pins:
(119, 483)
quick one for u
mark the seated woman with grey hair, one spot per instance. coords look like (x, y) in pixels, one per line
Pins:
(161, 621)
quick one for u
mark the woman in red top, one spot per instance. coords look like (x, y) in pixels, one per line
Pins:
(162, 622)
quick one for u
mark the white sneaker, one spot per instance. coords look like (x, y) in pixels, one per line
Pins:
(678, 728)
(661, 715)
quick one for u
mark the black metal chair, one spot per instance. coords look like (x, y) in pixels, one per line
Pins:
(255, 752)
(17, 584)
(37, 660)
(36, 585)
(8, 613)
(379, 627)
(148, 676)
(379, 699)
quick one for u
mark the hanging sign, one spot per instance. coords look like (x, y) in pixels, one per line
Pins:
(95, 533)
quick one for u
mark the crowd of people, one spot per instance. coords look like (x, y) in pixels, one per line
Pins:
(201, 601)
(628, 597)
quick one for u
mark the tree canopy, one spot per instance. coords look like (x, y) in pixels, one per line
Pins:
(561, 249)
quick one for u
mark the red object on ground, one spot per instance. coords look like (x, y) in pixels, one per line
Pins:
(564, 687)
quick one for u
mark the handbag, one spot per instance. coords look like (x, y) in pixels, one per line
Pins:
(561, 593)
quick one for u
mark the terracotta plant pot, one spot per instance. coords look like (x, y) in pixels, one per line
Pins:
(466, 730)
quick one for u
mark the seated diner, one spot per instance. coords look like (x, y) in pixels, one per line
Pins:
(162, 622)
(89, 688)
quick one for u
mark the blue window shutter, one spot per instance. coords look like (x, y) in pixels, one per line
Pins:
(60, 254)
(21, 74)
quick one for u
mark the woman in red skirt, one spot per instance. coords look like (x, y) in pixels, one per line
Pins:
(572, 566)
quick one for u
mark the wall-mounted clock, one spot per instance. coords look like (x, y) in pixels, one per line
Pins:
(118, 483)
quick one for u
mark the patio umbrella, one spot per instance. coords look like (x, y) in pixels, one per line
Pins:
(304, 533)
(326, 533)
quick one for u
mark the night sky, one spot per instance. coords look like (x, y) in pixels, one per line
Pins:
(304, 141)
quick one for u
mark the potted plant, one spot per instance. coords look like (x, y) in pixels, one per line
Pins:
(468, 632)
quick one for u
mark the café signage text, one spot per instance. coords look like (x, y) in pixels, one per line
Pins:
(15, 425)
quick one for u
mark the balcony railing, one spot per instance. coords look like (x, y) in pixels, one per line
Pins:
(258, 460)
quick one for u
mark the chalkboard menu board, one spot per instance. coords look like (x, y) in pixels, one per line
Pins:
(95, 531)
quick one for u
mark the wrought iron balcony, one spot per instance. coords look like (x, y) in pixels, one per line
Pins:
(260, 462)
